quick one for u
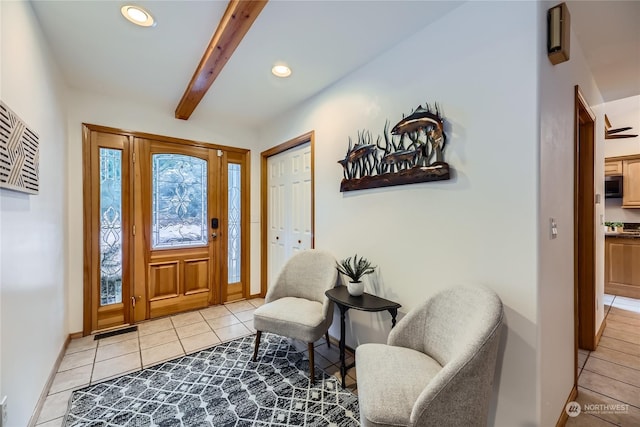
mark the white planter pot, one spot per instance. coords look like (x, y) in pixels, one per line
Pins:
(355, 288)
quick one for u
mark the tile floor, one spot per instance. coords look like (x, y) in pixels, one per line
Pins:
(610, 375)
(88, 361)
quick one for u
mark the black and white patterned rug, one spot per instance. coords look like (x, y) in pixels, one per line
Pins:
(218, 387)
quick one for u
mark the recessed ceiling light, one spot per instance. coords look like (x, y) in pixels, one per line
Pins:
(281, 70)
(138, 16)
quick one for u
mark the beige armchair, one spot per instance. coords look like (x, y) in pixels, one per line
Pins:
(438, 365)
(295, 305)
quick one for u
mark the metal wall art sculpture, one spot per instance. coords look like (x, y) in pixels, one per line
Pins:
(413, 152)
(19, 153)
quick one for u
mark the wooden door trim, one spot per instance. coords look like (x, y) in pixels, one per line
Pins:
(584, 228)
(264, 156)
(244, 160)
(87, 195)
(164, 138)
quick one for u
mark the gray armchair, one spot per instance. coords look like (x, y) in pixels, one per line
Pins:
(438, 366)
(295, 305)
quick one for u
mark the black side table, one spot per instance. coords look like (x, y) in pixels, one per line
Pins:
(364, 302)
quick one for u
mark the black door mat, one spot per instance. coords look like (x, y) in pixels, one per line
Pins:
(116, 332)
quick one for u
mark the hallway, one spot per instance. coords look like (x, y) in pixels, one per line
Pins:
(609, 377)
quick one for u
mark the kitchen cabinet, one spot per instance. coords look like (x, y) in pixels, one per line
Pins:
(622, 266)
(612, 167)
(631, 183)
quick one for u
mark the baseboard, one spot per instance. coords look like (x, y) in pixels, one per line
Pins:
(564, 417)
(600, 331)
(52, 375)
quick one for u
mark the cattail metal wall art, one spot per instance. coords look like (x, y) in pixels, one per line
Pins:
(413, 151)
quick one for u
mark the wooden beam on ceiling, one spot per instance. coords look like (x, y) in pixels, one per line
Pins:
(233, 26)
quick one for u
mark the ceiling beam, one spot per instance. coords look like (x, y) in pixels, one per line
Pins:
(233, 26)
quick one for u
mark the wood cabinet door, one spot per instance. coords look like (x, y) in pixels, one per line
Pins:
(631, 183)
(612, 167)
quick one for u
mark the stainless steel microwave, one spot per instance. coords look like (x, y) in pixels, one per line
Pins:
(613, 186)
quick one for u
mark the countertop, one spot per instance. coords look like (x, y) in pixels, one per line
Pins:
(624, 235)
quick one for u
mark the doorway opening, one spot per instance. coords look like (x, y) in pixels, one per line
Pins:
(584, 227)
(165, 226)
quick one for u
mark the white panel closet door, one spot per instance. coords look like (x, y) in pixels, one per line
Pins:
(289, 206)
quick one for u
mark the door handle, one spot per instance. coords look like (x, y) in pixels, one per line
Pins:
(214, 235)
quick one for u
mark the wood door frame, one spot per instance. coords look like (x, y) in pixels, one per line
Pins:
(87, 212)
(244, 160)
(584, 228)
(264, 156)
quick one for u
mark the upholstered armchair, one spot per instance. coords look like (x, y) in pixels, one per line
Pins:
(295, 305)
(438, 365)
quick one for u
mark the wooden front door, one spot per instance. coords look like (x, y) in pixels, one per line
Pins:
(179, 208)
(166, 226)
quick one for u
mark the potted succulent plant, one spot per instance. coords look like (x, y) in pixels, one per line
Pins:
(355, 268)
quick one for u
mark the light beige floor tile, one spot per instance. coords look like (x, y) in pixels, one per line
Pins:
(193, 329)
(245, 316)
(55, 406)
(236, 307)
(117, 338)
(613, 370)
(581, 359)
(629, 301)
(81, 344)
(71, 379)
(116, 366)
(161, 353)
(224, 321)
(257, 302)
(154, 326)
(117, 349)
(159, 338)
(624, 359)
(614, 389)
(53, 423)
(249, 325)
(214, 311)
(199, 342)
(629, 416)
(232, 332)
(186, 319)
(74, 360)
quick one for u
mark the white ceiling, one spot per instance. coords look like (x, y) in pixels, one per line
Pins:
(609, 33)
(323, 41)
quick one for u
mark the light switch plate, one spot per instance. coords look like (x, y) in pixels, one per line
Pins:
(554, 228)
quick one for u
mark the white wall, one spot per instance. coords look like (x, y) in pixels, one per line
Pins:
(481, 226)
(33, 227)
(133, 115)
(556, 174)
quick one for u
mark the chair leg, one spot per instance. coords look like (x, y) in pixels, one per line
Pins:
(255, 348)
(326, 335)
(312, 371)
